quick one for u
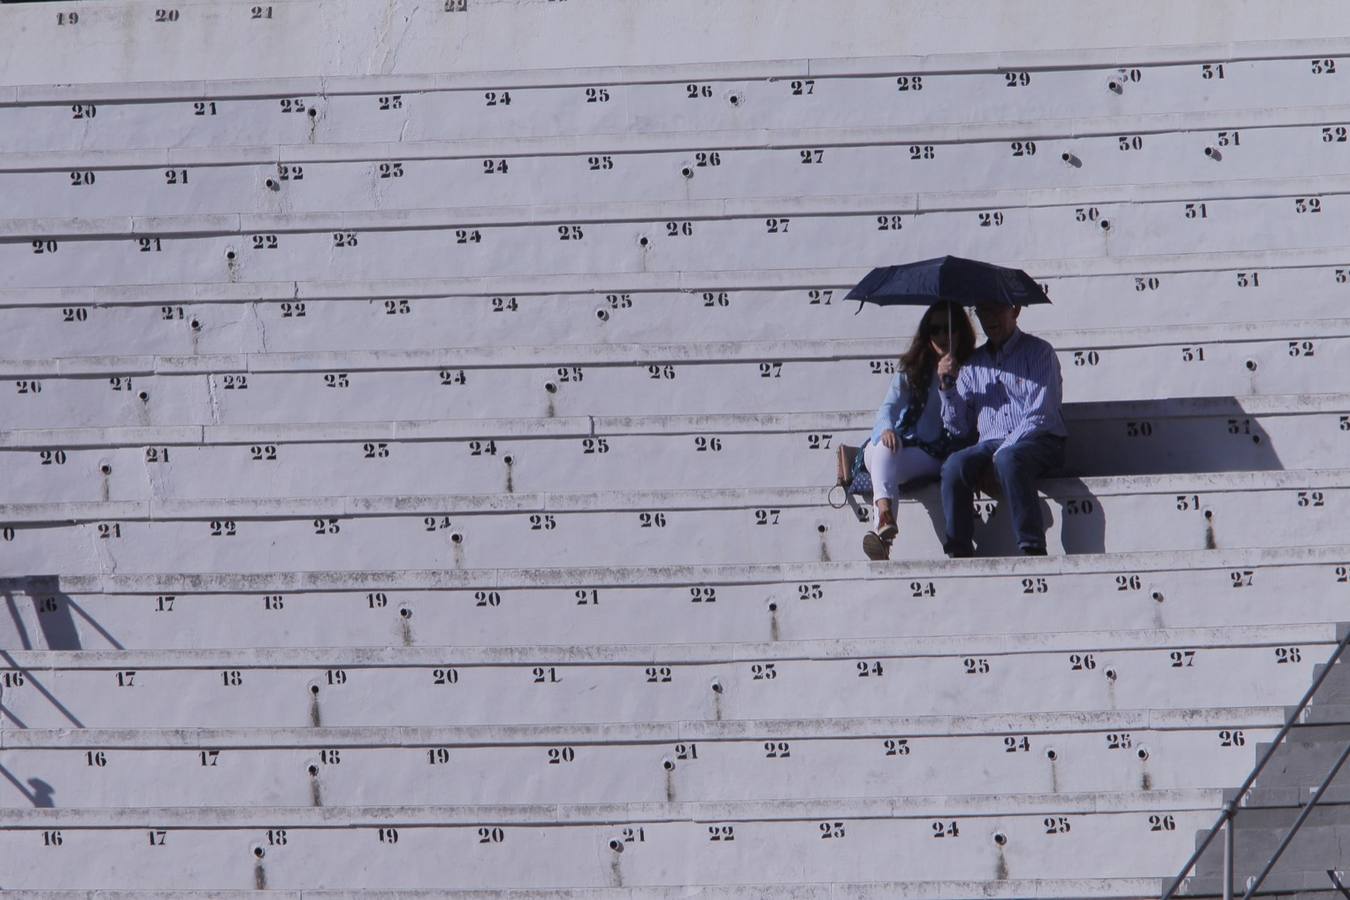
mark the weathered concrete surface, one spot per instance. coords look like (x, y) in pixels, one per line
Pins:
(398, 526)
(339, 37)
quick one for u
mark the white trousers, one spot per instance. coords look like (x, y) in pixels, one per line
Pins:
(890, 469)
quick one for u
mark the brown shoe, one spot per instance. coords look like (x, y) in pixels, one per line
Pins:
(876, 548)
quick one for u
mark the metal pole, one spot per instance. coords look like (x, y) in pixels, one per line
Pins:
(1298, 823)
(1260, 765)
(1228, 859)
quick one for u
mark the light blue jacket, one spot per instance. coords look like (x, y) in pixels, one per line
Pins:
(892, 409)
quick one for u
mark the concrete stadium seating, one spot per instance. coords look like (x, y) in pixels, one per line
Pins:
(1040, 753)
(652, 682)
(577, 238)
(696, 604)
(694, 848)
(677, 527)
(583, 453)
(417, 424)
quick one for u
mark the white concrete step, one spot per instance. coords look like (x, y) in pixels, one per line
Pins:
(667, 165)
(626, 528)
(1179, 289)
(610, 453)
(1122, 888)
(1174, 668)
(689, 761)
(622, 380)
(793, 602)
(717, 307)
(769, 93)
(673, 843)
(721, 234)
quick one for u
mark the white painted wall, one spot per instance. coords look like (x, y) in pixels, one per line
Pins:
(353, 37)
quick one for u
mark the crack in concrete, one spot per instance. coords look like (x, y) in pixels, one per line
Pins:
(102, 552)
(214, 398)
(153, 488)
(261, 322)
(383, 57)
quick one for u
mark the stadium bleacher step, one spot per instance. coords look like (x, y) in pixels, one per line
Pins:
(1176, 668)
(758, 602)
(691, 378)
(1189, 511)
(1157, 749)
(1012, 888)
(353, 314)
(627, 453)
(738, 842)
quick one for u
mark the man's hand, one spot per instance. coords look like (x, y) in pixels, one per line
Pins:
(946, 371)
(889, 440)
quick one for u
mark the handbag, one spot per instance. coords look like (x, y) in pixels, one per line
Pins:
(850, 473)
(844, 458)
(853, 477)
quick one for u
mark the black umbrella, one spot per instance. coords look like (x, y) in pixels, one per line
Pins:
(967, 282)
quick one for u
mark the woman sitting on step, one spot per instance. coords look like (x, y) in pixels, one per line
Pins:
(908, 442)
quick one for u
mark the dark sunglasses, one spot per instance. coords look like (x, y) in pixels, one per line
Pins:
(938, 328)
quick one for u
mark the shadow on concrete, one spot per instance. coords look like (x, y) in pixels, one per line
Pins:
(30, 683)
(1084, 528)
(1166, 437)
(49, 626)
(37, 792)
(1156, 437)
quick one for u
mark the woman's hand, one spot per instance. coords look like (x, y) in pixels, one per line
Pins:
(889, 440)
(946, 371)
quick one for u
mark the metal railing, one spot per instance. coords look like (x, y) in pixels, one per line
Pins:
(1230, 809)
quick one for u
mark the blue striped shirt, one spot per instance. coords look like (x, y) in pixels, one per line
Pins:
(1008, 395)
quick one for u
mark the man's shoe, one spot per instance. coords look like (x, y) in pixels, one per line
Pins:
(957, 550)
(1033, 551)
(888, 532)
(875, 547)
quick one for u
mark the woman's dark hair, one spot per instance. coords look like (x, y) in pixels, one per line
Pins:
(919, 361)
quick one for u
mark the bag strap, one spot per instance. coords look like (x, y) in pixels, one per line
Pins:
(845, 460)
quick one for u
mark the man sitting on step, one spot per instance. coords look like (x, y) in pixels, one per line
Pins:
(1009, 393)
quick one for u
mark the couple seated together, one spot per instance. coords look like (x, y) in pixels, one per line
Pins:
(954, 411)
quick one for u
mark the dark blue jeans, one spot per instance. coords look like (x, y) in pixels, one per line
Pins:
(1018, 467)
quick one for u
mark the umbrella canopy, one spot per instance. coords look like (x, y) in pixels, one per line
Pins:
(967, 282)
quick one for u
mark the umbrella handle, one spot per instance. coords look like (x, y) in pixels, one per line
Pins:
(947, 382)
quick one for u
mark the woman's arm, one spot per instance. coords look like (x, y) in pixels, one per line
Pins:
(892, 408)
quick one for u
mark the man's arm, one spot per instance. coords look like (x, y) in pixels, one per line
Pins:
(1043, 407)
(958, 413)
